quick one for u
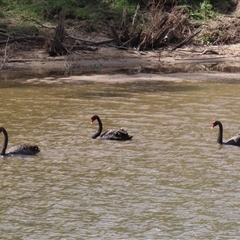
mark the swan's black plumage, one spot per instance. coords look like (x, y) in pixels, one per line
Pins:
(120, 134)
(232, 141)
(22, 149)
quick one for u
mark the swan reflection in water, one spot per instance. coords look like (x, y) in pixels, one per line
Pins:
(22, 149)
(232, 141)
(120, 134)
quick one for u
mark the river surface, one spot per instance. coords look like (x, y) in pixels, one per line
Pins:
(172, 181)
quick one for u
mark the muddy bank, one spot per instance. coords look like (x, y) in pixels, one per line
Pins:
(139, 77)
(209, 62)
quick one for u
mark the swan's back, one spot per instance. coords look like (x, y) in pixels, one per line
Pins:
(120, 135)
(23, 149)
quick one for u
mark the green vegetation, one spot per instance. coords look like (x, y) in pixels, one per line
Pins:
(27, 15)
(204, 12)
(88, 9)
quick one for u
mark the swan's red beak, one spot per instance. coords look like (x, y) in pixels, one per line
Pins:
(91, 122)
(212, 127)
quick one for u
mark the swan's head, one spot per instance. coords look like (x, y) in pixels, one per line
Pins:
(35, 149)
(93, 118)
(31, 150)
(214, 124)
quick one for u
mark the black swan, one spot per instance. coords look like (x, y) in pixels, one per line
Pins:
(22, 149)
(120, 135)
(232, 141)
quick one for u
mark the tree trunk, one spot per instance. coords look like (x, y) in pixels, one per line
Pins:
(56, 48)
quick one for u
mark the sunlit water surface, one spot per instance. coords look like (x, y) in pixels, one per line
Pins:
(172, 181)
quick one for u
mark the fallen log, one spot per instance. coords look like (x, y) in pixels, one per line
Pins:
(22, 39)
(91, 42)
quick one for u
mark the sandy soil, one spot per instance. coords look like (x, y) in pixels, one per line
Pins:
(210, 63)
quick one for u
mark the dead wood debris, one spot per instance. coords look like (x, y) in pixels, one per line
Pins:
(158, 28)
(162, 29)
(209, 51)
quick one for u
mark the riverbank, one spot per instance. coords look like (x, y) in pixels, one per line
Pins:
(211, 62)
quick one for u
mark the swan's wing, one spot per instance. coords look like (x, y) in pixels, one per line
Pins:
(107, 133)
(122, 133)
(23, 149)
(234, 140)
(119, 134)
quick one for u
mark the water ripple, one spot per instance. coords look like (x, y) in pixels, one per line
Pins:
(170, 182)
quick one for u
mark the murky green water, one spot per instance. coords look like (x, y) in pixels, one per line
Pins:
(170, 182)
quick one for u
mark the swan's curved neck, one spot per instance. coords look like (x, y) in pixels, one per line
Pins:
(97, 134)
(220, 134)
(5, 142)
